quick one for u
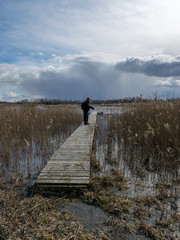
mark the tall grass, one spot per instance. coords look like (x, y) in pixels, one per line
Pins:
(144, 134)
(150, 134)
(29, 135)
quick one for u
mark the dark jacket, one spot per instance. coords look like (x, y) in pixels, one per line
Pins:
(85, 106)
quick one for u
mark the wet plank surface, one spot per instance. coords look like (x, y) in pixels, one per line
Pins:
(70, 164)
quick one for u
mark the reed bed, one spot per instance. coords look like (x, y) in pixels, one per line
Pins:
(141, 141)
(147, 134)
(142, 136)
(150, 133)
(29, 134)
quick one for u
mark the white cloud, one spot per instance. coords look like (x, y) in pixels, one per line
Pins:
(124, 28)
(169, 82)
(40, 54)
(12, 94)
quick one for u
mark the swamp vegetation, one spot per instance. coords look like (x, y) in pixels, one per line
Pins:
(134, 169)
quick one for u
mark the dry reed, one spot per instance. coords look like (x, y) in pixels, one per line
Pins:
(144, 134)
(29, 135)
(150, 133)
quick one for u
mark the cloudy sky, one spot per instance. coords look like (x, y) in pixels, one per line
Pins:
(73, 49)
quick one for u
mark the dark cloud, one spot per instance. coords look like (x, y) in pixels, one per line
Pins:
(87, 78)
(151, 67)
(82, 79)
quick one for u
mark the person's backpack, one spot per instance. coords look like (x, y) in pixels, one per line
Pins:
(82, 105)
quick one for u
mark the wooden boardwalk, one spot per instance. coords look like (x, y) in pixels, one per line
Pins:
(70, 164)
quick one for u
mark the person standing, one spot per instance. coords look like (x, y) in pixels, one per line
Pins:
(86, 107)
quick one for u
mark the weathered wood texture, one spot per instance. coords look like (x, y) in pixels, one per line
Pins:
(70, 164)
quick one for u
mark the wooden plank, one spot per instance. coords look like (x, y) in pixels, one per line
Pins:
(58, 163)
(65, 165)
(65, 157)
(75, 148)
(67, 181)
(55, 177)
(75, 162)
(74, 155)
(58, 182)
(64, 174)
(55, 186)
(71, 151)
(66, 171)
(74, 179)
(62, 168)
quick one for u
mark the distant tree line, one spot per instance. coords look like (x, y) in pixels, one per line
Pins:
(2, 102)
(47, 101)
(55, 101)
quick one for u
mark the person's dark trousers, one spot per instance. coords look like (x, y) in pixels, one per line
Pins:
(85, 117)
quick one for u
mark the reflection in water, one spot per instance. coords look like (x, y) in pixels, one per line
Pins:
(94, 220)
(89, 217)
